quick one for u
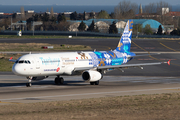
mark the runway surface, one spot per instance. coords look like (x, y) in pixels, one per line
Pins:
(151, 80)
(13, 90)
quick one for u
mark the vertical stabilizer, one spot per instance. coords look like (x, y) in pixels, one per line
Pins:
(124, 44)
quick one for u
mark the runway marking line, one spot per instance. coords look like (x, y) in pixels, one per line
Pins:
(154, 57)
(145, 51)
(84, 94)
(169, 47)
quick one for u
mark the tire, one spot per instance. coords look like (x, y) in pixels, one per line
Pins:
(28, 84)
(92, 83)
(61, 81)
(97, 82)
(56, 81)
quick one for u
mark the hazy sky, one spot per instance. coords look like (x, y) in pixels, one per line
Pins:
(79, 2)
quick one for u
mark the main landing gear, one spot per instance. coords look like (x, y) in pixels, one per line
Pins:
(95, 83)
(59, 80)
(29, 81)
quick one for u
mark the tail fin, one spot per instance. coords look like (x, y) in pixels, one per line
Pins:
(124, 44)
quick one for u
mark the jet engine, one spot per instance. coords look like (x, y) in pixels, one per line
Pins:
(39, 78)
(91, 75)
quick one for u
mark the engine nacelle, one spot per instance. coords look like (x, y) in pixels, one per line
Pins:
(39, 78)
(91, 75)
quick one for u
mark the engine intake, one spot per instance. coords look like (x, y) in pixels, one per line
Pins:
(91, 75)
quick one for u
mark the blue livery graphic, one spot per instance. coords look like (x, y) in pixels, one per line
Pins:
(119, 55)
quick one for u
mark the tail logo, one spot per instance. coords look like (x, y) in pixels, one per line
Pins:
(125, 41)
(119, 45)
(130, 25)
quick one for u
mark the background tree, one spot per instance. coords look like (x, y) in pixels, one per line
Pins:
(45, 17)
(84, 15)
(154, 11)
(125, 10)
(92, 15)
(159, 30)
(53, 19)
(148, 30)
(112, 15)
(14, 15)
(175, 32)
(137, 28)
(80, 16)
(63, 26)
(73, 16)
(61, 17)
(113, 29)
(91, 27)
(29, 22)
(82, 26)
(35, 17)
(103, 15)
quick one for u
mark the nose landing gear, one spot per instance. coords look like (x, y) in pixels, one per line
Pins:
(29, 81)
(59, 80)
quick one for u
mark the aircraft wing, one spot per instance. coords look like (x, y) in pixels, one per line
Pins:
(149, 54)
(12, 60)
(120, 66)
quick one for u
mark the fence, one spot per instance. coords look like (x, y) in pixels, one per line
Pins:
(93, 34)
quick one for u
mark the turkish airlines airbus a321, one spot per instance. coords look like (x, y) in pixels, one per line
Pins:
(91, 65)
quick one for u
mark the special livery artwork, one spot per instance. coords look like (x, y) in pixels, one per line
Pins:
(104, 58)
(91, 65)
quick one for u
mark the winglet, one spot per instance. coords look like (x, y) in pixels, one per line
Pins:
(10, 58)
(169, 62)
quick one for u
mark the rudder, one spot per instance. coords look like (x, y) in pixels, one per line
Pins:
(124, 44)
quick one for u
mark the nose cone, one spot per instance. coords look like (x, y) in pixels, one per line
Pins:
(16, 69)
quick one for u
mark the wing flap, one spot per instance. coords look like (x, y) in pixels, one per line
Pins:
(129, 65)
(118, 66)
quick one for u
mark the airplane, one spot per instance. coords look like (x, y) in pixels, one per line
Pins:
(91, 65)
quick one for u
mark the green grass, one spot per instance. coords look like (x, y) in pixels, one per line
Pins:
(5, 65)
(47, 36)
(38, 47)
(139, 107)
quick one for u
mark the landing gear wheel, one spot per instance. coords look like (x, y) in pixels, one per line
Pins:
(92, 83)
(56, 81)
(59, 81)
(28, 84)
(29, 81)
(97, 82)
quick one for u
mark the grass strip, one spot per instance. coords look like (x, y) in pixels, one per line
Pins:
(140, 107)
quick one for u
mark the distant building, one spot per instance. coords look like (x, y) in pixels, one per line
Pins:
(173, 14)
(147, 15)
(30, 11)
(165, 11)
(140, 9)
(103, 24)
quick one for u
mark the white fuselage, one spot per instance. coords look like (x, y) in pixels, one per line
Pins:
(49, 64)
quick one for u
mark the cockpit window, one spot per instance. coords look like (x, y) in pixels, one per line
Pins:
(21, 61)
